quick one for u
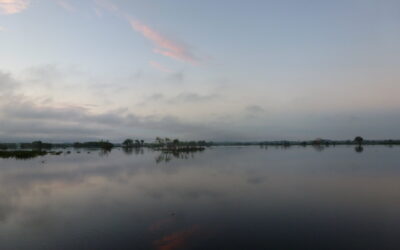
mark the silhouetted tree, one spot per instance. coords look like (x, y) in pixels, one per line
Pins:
(359, 140)
(159, 141)
(175, 142)
(128, 143)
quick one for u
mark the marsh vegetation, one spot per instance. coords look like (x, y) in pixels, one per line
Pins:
(27, 154)
(171, 148)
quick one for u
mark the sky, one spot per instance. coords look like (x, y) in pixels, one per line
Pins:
(214, 70)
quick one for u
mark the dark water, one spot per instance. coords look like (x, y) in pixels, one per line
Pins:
(222, 198)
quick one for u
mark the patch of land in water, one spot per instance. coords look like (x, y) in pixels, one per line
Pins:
(26, 154)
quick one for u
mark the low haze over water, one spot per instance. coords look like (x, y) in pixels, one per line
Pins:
(221, 198)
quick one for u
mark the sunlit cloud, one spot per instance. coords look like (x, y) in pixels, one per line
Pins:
(9, 7)
(164, 45)
(65, 5)
(160, 67)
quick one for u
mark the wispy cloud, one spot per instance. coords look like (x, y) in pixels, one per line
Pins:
(164, 45)
(255, 109)
(190, 97)
(65, 5)
(182, 98)
(2, 29)
(9, 7)
(160, 67)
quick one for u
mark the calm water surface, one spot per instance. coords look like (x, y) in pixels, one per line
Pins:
(222, 198)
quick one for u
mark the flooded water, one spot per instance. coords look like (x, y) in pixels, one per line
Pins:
(222, 198)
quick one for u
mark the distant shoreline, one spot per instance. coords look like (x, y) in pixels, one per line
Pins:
(169, 147)
(167, 144)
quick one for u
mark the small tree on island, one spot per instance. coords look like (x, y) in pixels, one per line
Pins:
(175, 141)
(128, 143)
(159, 141)
(359, 140)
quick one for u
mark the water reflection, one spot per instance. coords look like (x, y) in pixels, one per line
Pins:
(104, 152)
(223, 198)
(167, 156)
(133, 150)
(359, 149)
(318, 147)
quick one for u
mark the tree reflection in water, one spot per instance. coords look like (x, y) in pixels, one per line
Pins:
(133, 150)
(167, 156)
(104, 152)
(359, 149)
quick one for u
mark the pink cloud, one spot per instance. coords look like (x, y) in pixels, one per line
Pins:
(9, 7)
(160, 67)
(164, 45)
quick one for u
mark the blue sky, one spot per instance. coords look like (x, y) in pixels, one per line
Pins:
(217, 70)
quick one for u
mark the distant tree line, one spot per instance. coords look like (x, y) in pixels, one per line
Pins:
(96, 144)
(167, 144)
(130, 143)
(36, 145)
(176, 144)
(358, 140)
